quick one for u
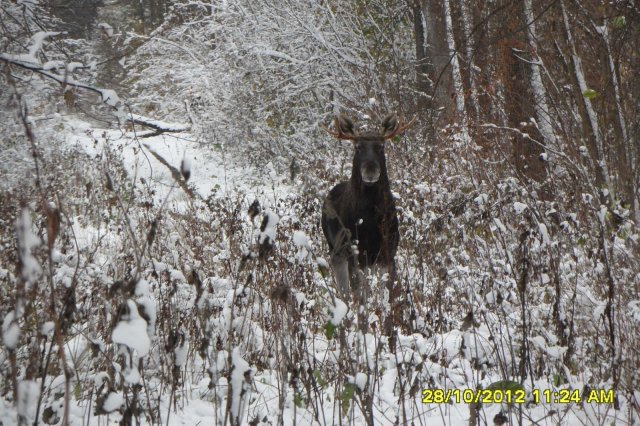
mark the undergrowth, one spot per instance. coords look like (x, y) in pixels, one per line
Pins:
(502, 289)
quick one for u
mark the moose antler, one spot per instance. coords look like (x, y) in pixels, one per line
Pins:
(338, 134)
(400, 128)
(345, 128)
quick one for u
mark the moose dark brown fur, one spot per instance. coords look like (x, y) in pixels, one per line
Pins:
(362, 209)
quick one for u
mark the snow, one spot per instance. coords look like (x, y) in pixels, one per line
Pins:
(72, 66)
(28, 393)
(519, 207)
(107, 29)
(338, 312)
(47, 328)
(181, 352)
(53, 65)
(176, 275)
(35, 45)
(554, 352)
(634, 308)
(447, 357)
(159, 124)
(110, 97)
(268, 228)
(499, 225)
(544, 233)
(113, 402)
(241, 376)
(100, 378)
(131, 331)
(361, 381)
(481, 199)
(322, 263)
(27, 241)
(303, 243)
(10, 331)
(132, 375)
(145, 300)
(265, 51)
(301, 240)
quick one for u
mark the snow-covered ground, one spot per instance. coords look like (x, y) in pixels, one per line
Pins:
(262, 394)
(212, 170)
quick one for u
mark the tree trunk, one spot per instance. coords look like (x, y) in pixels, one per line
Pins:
(467, 21)
(458, 95)
(519, 99)
(423, 82)
(540, 105)
(626, 167)
(437, 53)
(590, 120)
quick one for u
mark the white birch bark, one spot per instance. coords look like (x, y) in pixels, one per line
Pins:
(591, 113)
(541, 107)
(628, 140)
(468, 36)
(456, 75)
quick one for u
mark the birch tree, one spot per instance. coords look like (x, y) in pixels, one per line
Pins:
(590, 119)
(544, 120)
(456, 75)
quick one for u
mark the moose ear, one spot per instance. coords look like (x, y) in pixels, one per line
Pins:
(345, 127)
(390, 126)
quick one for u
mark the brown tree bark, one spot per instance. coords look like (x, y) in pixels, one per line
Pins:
(519, 99)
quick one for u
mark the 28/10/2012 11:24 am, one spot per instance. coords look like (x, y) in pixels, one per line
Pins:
(517, 396)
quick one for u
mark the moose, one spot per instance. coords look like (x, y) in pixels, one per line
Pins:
(360, 213)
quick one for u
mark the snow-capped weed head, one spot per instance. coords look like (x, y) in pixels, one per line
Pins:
(27, 241)
(254, 209)
(185, 168)
(108, 182)
(267, 236)
(131, 330)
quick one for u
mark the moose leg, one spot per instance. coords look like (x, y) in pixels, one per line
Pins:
(339, 239)
(340, 267)
(359, 284)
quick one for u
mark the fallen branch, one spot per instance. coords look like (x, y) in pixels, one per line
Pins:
(175, 173)
(157, 125)
(108, 96)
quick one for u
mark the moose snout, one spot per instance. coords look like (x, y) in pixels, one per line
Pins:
(370, 172)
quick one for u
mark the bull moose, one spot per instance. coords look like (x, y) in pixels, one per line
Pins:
(359, 217)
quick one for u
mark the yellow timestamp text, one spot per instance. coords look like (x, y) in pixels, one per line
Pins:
(517, 396)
